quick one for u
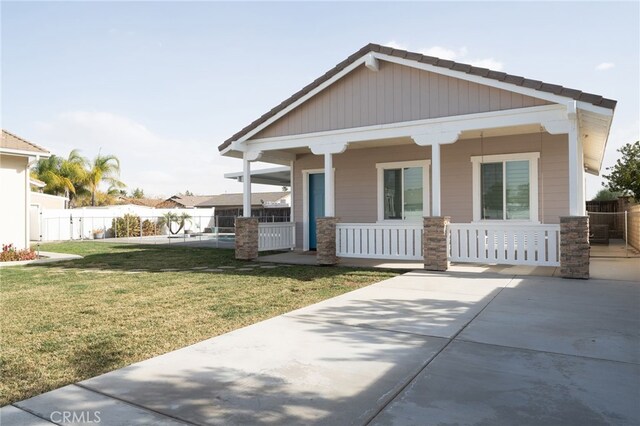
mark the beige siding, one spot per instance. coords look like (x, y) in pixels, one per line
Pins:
(393, 94)
(356, 178)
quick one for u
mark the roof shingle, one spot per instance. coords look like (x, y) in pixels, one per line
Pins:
(11, 141)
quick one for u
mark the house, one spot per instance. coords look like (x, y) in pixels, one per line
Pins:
(405, 156)
(40, 200)
(266, 206)
(182, 201)
(16, 156)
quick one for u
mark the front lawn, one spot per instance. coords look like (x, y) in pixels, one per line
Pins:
(65, 322)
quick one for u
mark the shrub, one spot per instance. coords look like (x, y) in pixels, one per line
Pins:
(10, 254)
(129, 226)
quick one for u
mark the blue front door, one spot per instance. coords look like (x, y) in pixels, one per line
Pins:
(316, 205)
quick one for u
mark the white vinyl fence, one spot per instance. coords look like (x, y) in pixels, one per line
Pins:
(276, 236)
(379, 240)
(90, 223)
(504, 244)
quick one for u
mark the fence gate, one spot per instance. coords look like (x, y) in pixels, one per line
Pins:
(613, 233)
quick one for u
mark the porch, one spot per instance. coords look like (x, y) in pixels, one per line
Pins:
(394, 158)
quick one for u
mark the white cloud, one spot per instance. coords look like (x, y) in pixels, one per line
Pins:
(605, 66)
(445, 53)
(395, 45)
(158, 164)
(460, 54)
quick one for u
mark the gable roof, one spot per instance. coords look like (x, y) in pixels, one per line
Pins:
(575, 94)
(13, 142)
(234, 200)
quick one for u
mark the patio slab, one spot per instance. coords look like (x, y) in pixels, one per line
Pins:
(14, 416)
(423, 304)
(284, 370)
(592, 318)
(474, 384)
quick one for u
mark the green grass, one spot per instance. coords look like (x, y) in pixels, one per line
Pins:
(65, 322)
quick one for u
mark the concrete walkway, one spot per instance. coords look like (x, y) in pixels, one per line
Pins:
(420, 348)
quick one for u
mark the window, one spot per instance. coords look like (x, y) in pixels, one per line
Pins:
(402, 190)
(506, 187)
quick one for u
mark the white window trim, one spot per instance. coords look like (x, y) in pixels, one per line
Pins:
(305, 203)
(532, 157)
(426, 205)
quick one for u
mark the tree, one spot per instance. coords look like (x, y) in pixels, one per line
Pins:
(62, 176)
(187, 193)
(606, 195)
(105, 168)
(137, 193)
(169, 218)
(624, 176)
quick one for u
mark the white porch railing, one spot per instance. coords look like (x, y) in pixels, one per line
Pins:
(379, 240)
(275, 236)
(504, 243)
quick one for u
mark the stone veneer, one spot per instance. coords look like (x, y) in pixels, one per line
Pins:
(246, 238)
(434, 243)
(574, 247)
(326, 240)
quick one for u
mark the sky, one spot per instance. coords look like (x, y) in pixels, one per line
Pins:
(162, 84)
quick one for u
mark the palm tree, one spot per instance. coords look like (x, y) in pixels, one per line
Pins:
(105, 168)
(62, 176)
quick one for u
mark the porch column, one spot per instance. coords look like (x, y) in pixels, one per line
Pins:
(246, 187)
(576, 171)
(435, 182)
(329, 186)
(574, 247)
(326, 226)
(434, 243)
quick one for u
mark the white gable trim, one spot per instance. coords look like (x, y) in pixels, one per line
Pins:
(426, 67)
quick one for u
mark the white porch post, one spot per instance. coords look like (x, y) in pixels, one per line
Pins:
(246, 187)
(435, 183)
(576, 172)
(291, 218)
(329, 186)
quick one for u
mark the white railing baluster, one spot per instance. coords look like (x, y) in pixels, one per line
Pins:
(275, 236)
(514, 244)
(379, 240)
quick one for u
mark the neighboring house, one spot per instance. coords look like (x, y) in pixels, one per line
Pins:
(183, 201)
(145, 202)
(16, 156)
(388, 137)
(267, 206)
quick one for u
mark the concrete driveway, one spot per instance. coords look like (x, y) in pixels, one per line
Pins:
(418, 349)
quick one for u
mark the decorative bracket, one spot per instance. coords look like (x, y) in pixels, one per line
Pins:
(371, 62)
(436, 138)
(329, 148)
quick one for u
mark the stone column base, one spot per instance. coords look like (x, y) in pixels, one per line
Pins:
(574, 247)
(326, 240)
(434, 243)
(246, 238)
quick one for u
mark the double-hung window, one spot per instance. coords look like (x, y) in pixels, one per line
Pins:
(505, 187)
(403, 189)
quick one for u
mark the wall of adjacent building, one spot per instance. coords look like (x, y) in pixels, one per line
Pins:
(356, 176)
(14, 201)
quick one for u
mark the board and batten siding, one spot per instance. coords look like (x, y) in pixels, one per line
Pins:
(356, 176)
(393, 94)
